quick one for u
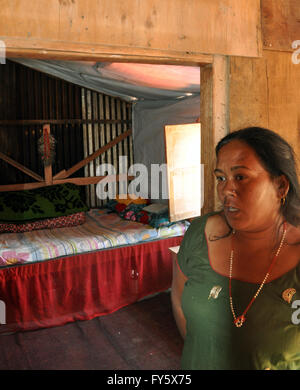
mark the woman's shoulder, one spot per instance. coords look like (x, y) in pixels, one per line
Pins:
(203, 219)
(212, 223)
(198, 224)
(216, 225)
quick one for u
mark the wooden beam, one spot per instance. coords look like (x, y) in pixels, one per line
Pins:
(220, 106)
(138, 29)
(207, 140)
(64, 174)
(28, 122)
(82, 181)
(21, 167)
(47, 167)
(16, 48)
(21, 186)
(214, 118)
(220, 97)
(75, 180)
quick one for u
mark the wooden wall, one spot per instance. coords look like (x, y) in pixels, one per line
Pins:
(280, 24)
(266, 91)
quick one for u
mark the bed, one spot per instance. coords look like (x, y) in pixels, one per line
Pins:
(73, 263)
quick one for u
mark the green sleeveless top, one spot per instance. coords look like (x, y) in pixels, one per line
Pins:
(270, 337)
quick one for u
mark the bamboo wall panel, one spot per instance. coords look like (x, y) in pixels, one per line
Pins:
(170, 28)
(280, 24)
(95, 135)
(265, 92)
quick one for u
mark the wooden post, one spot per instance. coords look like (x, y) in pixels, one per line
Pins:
(214, 108)
(220, 106)
(47, 168)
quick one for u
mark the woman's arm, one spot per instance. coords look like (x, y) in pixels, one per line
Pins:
(178, 282)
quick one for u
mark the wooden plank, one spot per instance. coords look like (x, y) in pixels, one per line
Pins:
(220, 102)
(249, 92)
(18, 48)
(26, 122)
(207, 137)
(82, 181)
(133, 28)
(214, 117)
(280, 24)
(21, 167)
(265, 92)
(220, 97)
(47, 167)
(64, 174)
(48, 174)
(21, 186)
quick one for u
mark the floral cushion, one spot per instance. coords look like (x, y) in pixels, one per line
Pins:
(137, 213)
(140, 213)
(134, 212)
(41, 203)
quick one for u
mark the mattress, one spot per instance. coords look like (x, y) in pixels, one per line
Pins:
(102, 230)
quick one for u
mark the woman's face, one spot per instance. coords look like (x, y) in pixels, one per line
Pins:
(251, 199)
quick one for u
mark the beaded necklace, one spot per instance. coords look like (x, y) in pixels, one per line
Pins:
(239, 321)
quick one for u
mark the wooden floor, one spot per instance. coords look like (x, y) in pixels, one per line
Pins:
(142, 336)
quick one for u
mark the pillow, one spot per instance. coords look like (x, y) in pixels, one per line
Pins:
(137, 213)
(41, 203)
(156, 208)
(50, 223)
(159, 220)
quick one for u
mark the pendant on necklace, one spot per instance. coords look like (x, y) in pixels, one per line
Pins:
(239, 321)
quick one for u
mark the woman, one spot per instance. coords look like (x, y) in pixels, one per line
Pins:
(238, 269)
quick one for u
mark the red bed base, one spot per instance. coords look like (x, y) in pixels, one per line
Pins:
(81, 287)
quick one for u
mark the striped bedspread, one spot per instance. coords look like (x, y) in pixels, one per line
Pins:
(100, 231)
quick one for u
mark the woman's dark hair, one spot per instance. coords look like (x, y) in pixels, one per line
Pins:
(278, 158)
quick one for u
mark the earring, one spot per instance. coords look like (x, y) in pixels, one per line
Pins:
(283, 201)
